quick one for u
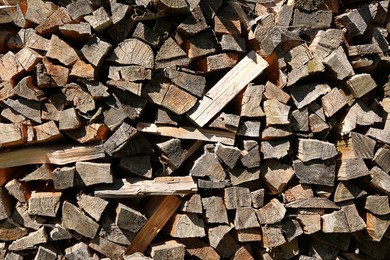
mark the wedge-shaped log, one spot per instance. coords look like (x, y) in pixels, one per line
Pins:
(227, 88)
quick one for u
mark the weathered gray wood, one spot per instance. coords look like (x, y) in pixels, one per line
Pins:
(99, 20)
(250, 105)
(300, 120)
(271, 133)
(232, 43)
(29, 38)
(352, 168)
(129, 218)
(29, 241)
(272, 236)
(249, 128)
(271, 213)
(217, 62)
(171, 249)
(381, 158)
(273, 92)
(44, 203)
(187, 80)
(110, 231)
(39, 10)
(221, 240)
(316, 172)
(170, 55)
(186, 226)
(28, 108)
(130, 73)
(292, 229)
(6, 204)
(310, 149)
(11, 135)
(276, 175)
(61, 51)
(276, 112)
(120, 137)
(26, 88)
(298, 56)
(379, 134)
(140, 165)
(78, 251)
(22, 217)
(355, 21)
(303, 95)
(124, 54)
(333, 102)
(245, 218)
(338, 64)
(94, 173)
(50, 24)
(174, 154)
(59, 233)
(335, 222)
(45, 253)
(208, 165)
(355, 222)
(241, 175)
(310, 223)
(215, 211)
(197, 248)
(236, 197)
(229, 155)
(320, 19)
(93, 206)
(18, 190)
(378, 205)
(359, 114)
(69, 119)
(360, 84)
(74, 219)
(192, 204)
(28, 58)
(251, 154)
(275, 149)
(347, 191)
(133, 187)
(257, 197)
(312, 203)
(380, 179)
(76, 31)
(41, 173)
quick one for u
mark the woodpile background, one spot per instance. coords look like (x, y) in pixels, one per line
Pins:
(194, 129)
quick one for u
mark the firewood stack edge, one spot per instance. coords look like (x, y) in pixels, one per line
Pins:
(194, 129)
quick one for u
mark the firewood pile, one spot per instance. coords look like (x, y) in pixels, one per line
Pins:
(194, 129)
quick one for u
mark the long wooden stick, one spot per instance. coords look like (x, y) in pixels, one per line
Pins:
(167, 207)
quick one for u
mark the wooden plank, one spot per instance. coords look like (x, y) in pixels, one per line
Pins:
(190, 133)
(227, 88)
(50, 154)
(167, 206)
(133, 187)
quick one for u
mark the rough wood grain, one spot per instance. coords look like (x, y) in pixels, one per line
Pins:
(124, 54)
(215, 211)
(276, 113)
(227, 88)
(276, 175)
(320, 172)
(271, 213)
(44, 203)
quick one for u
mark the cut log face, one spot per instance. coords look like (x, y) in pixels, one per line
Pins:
(94, 173)
(215, 210)
(309, 149)
(316, 172)
(129, 218)
(186, 226)
(44, 203)
(271, 213)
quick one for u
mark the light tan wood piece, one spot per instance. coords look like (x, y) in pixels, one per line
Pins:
(376, 226)
(310, 223)
(64, 177)
(246, 218)
(38, 10)
(74, 219)
(11, 135)
(50, 154)
(272, 236)
(276, 113)
(124, 54)
(275, 149)
(335, 222)
(200, 45)
(55, 75)
(220, 239)
(28, 58)
(227, 88)
(172, 6)
(10, 67)
(228, 122)
(93, 206)
(18, 190)
(44, 203)
(140, 187)
(61, 51)
(359, 114)
(333, 102)
(338, 64)
(380, 179)
(167, 206)
(191, 133)
(99, 20)
(309, 149)
(215, 211)
(170, 248)
(30, 241)
(69, 119)
(95, 50)
(88, 134)
(94, 173)
(78, 250)
(378, 205)
(250, 105)
(360, 84)
(273, 92)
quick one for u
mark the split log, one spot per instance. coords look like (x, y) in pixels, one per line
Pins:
(335, 222)
(360, 84)
(310, 223)
(94, 173)
(93, 206)
(217, 62)
(192, 204)
(140, 187)
(338, 64)
(191, 133)
(276, 175)
(378, 205)
(315, 149)
(245, 218)
(61, 51)
(271, 213)
(380, 179)
(229, 155)
(305, 94)
(215, 211)
(169, 248)
(59, 233)
(54, 154)
(78, 250)
(333, 102)
(222, 241)
(129, 218)
(346, 191)
(249, 128)
(241, 175)
(99, 20)
(355, 222)
(229, 86)
(18, 190)
(50, 24)
(64, 177)
(377, 226)
(9, 230)
(170, 55)
(200, 45)
(273, 92)
(10, 66)
(186, 226)
(30, 241)
(74, 219)
(44, 203)
(276, 112)
(124, 54)
(250, 105)
(251, 154)
(275, 149)
(272, 236)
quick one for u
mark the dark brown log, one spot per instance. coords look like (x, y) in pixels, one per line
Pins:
(196, 247)
(51, 23)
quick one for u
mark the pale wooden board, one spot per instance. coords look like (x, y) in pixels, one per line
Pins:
(191, 133)
(227, 88)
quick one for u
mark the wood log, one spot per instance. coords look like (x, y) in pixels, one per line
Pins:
(241, 175)
(273, 92)
(29, 241)
(251, 154)
(6, 204)
(28, 58)
(18, 190)
(305, 94)
(95, 50)
(44, 203)
(64, 177)
(275, 149)
(93, 173)
(78, 250)
(77, 31)
(313, 203)
(59, 233)
(276, 175)
(222, 241)
(360, 84)
(51, 75)
(191, 133)
(333, 102)
(310, 223)
(257, 198)
(192, 204)
(186, 226)
(276, 112)
(42, 172)
(56, 155)
(74, 219)
(120, 137)
(272, 236)
(45, 253)
(124, 55)
(320, 19)
(316, 172)
(355, 222)
(215, 211)
(170, 55)
(169, 248)
(214, 101)
(93, 206)
(250, 105)
(61, 51)
(314, 149)
(130, 73)
(10, 66)
(196, 247)
(11, 135)
(27, 89)
(300, 120)
(51, 23)
(137, 187)
(271, 213)
(359, 114)
(231, 43)
(249, 128)
(217, 62)
(236, 197)
(335, 222)
(380, 179)
(376, 226)
(380, 158)
(39, 10)
(99, 20)
(378, 205)
(245, 218)
(200, 45)
(123, 216)
(229, 155)
(140, 165)
(271, 133)
(187, 80)
(346, 191)
(10, 230)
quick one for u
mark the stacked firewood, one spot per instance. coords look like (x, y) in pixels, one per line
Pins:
(172, 129)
